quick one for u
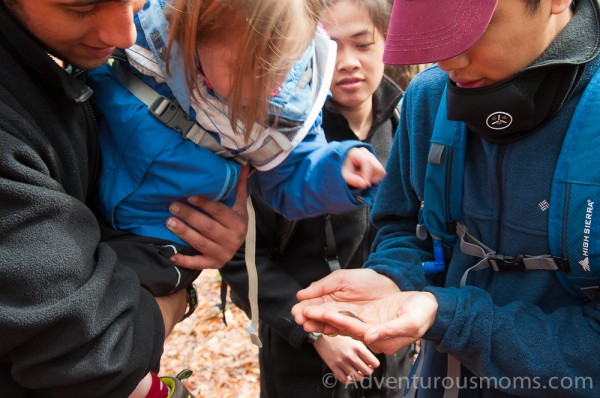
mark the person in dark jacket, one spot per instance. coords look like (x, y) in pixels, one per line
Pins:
(514, 309)
(73, 321)
(292, 254)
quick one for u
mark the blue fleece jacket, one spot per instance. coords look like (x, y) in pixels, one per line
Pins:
(503, 326)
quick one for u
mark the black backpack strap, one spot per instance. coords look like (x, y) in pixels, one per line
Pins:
(330, 247)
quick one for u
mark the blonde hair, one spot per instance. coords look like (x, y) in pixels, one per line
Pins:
(267, 31)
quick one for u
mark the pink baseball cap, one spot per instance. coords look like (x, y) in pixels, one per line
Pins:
(423, 31)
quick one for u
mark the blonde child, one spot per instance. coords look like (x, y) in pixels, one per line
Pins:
(225, 81)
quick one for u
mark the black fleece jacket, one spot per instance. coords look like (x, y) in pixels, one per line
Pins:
(72, 322)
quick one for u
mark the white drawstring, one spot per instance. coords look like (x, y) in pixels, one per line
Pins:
(250, 257)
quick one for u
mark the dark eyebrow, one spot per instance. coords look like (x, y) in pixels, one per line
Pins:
(361, 33)
(354, 36)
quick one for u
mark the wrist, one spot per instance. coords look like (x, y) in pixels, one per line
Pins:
(172, 308)
(192, 300)
(312, 337)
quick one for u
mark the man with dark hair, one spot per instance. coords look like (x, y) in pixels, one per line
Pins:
(74, 323)
(495, 166)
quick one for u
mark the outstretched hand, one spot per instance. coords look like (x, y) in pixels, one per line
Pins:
(354, 286)
(216, 233)
(361, 169)
(384, 325)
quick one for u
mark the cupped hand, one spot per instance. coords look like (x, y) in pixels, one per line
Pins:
(384, 325)
(346, 285)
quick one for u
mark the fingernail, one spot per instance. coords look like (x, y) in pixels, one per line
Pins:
(195, 200)
(171, 223)
(174, 208)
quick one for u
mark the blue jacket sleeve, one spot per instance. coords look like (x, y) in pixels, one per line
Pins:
(396, 251)
(309, 181)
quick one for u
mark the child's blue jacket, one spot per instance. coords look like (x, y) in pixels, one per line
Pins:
(147, 165)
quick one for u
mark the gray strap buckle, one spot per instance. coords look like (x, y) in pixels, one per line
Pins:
(171, 114)
(501, 263)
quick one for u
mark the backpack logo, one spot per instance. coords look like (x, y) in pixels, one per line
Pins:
(585, 246)
(499, 120)
(585, 264)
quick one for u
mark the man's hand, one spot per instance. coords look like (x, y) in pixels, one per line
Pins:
(216, 234)
(385, 325)
(346, 285)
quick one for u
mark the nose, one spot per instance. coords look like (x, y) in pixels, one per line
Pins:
(116, 27)
(346, 60)
(457, 62)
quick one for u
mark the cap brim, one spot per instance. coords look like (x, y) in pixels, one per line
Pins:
(423, 31)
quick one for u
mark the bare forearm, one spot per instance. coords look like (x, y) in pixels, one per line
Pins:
(172, 308)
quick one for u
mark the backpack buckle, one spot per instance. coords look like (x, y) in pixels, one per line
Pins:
(562, 264)
(501, 263)
(171, 114)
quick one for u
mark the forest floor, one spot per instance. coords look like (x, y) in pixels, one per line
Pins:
(224, 361)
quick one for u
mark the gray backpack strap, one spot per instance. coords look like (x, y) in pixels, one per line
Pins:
(170, 113)
(453, 373)
(498, 262)
(272, 146)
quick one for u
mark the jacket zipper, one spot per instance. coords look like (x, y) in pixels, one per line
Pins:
(95, 155)
(499, 175)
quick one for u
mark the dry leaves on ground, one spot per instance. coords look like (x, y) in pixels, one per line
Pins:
(224, 362)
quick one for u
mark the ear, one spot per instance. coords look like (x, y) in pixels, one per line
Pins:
(560, 6)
